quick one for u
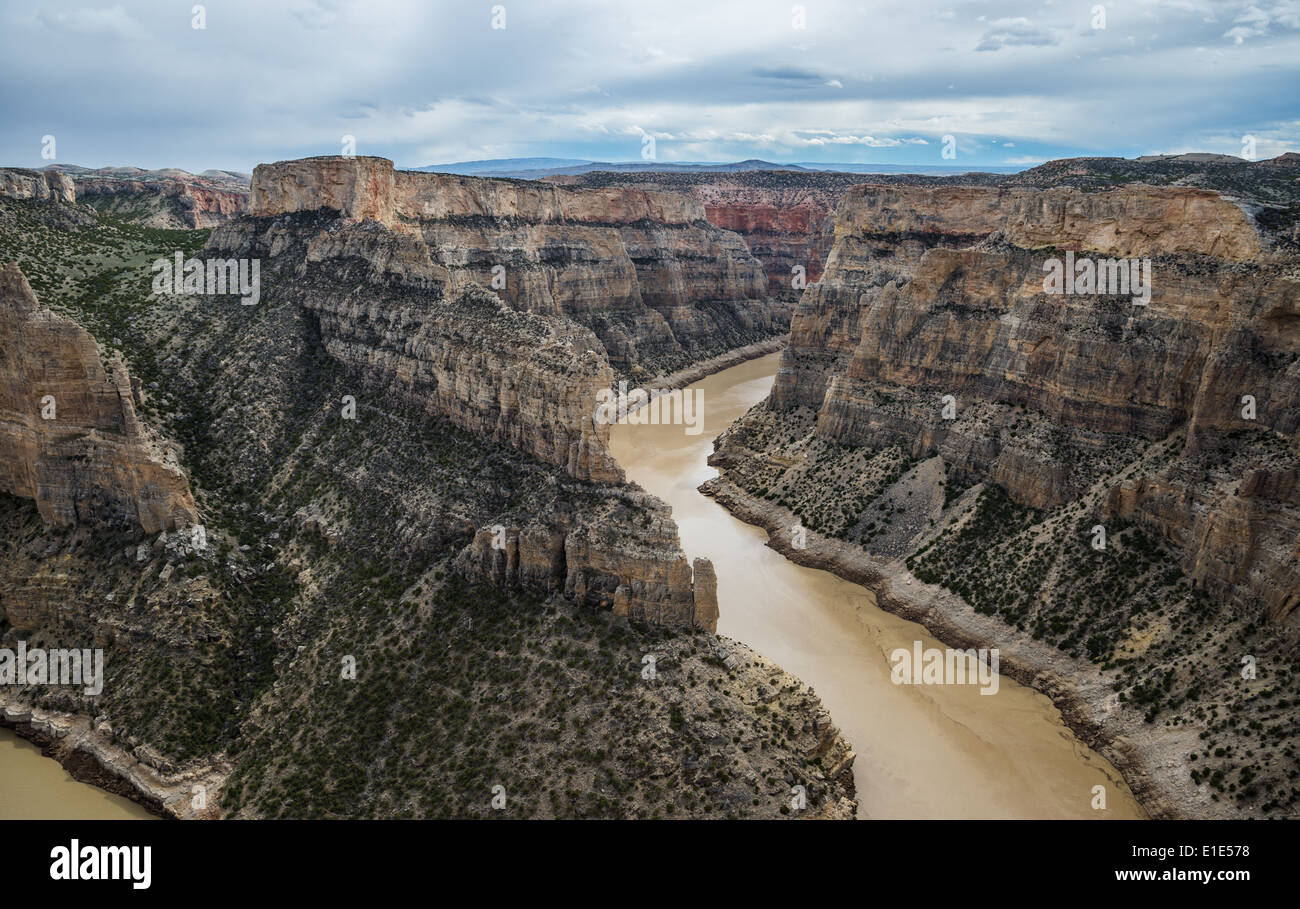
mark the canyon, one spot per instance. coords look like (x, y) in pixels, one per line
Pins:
(384, 452)
(169, 199)
(396, 451)
(657, 283)
(921, 751)
(955, 436)
(502, 367)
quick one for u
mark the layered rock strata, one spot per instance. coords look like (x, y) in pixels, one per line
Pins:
(334, 241)
(69, 436)
(645, 270)
(785, 217)
(40, 186)
(939, 291)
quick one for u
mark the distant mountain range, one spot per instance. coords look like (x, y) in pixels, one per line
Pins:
(536, 168)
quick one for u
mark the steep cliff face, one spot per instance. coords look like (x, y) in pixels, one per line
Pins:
(69, 436)
(364, 440)
(1135, 221)
(519, 378)
(385, 306)
(357, 188)
(640, 574)
(1117, 479)
(785, 217)
(659, 285)
(41, 186)
(1044, 383)
(172, 204)
(883, 231)
(786, 229)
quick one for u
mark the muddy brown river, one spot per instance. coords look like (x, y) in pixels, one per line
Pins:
(923, 751)
(34, 787)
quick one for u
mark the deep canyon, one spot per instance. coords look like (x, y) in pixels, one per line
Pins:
(396, 460)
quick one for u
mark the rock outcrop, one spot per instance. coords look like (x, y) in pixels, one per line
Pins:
(785, 217)
(69, 436)
(359, 188)
(937, 291)
(37, 185)
(173, 204)
(640, 573)
(376, 259)
(645, 270)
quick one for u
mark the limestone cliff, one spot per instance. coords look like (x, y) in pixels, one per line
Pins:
(41, 186)
(1104, 487)
(335, 241)
(69, 436)
(785, 217)
(519, 378)
(934, 291)
(645, 270)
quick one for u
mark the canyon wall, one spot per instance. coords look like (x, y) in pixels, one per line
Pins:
(185, 203)
(171, 199)
(343, 240)
(40, 186)
(786, 218)
(645, 270)
(518, 378)
(786, 229)
(69, 436)
(939, 291)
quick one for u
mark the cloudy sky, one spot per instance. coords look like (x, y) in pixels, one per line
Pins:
(433, 82)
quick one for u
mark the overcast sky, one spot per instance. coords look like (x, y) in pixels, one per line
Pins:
(433, 82)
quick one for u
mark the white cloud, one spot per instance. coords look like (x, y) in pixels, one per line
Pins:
(1254, 22)
(113, 20)
(424, 83)
(1015, 32)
